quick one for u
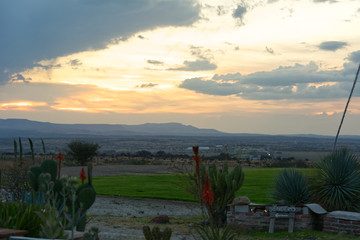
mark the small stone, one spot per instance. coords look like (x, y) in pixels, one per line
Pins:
(161, 219)
(243, 200)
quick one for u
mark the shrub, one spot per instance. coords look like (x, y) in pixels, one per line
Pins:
(337, 186)
(82, 152)
(291, 186)
(14, 179)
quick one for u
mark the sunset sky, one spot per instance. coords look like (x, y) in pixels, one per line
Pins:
(259, 66)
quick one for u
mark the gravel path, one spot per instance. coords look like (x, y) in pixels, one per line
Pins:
(123, 218)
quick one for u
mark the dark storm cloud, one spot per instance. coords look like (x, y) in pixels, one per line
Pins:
(42, 29)
(197, 65)
(286, 82)
(332, 45)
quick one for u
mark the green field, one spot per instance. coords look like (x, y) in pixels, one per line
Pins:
(257, 185)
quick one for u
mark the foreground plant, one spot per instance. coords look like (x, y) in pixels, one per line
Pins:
(292, 187)
(216, 188)
(215, 233)
(156, 234)
(337, 186)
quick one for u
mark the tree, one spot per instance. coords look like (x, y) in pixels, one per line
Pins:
(82, 152)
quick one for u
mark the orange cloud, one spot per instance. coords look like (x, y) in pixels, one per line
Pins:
(21, 105)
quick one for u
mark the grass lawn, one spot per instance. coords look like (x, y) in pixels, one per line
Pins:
(257, 185)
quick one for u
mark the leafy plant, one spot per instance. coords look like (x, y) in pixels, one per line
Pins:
(291, 186)
(19, 215)
(156, 234)
(215, 233)
(337, 185)
(52, 226)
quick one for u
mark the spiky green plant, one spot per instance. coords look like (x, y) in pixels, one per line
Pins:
(156, 234)
(224, 184)
(20, 150)
(337, 186)
(291, 186)
(215, 233)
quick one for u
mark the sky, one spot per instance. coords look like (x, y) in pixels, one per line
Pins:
(256, 66)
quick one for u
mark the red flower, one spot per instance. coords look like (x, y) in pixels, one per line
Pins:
(82, 175)
(59, 157)
(196, 150)
(208, 195)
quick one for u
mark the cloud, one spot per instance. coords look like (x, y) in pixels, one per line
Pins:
(239, 14)
(148, 85)
(272, 1)
(155, 62)
(354, 57)
(320, 1)
(75, 62)
(17, 77)
(269, 50)
(286, 82)
(197, 65)
(47, 29)
(332, 45)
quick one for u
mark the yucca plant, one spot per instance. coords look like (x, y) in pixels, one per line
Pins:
(337, 186)
(291, 186)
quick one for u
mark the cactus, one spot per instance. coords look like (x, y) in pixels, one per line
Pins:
(156, 234)
(33, 177)
(44, 179)
(15, 150)
(20, 150)
(224, 185)
(32, 150)
(85, 198)
(49, 166)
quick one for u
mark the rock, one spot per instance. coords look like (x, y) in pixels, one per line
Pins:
(161, 219)
(243, 200)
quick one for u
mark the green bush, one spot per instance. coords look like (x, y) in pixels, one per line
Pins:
(291, 186)
(19, 215)
(337, 184)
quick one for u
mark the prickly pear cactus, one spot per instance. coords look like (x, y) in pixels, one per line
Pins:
(49, 166)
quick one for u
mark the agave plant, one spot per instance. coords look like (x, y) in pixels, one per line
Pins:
(215, 233)
(291, 186)
(337, 186)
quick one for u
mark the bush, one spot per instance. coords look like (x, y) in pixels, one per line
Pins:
(82, 152)
(14, 178)
(291, 186)
(337, 185)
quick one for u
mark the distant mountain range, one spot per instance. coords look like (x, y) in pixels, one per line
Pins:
(27, 128)
(24, 127)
